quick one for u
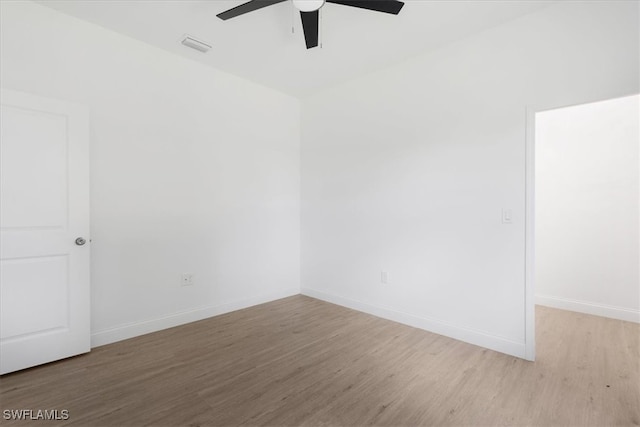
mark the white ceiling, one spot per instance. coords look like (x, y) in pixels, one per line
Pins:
(260, 46)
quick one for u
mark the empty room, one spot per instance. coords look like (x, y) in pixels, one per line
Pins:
(320, 213)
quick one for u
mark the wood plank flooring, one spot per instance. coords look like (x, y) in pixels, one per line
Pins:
(303, 362)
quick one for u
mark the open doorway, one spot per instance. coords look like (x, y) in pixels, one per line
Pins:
(583, 226)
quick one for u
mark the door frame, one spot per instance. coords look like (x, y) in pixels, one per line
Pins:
(529, 249)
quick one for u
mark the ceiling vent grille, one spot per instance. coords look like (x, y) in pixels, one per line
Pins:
(196, 44)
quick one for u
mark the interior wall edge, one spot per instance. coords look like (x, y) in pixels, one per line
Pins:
(491, 342)
(587, 307)
(137, 329)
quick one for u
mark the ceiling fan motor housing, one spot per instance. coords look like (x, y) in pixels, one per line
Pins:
(308, 5)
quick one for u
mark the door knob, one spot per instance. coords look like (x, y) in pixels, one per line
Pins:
(80, 241)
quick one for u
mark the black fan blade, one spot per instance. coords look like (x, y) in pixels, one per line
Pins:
(387, 6)
(246, 8)
(310, 26)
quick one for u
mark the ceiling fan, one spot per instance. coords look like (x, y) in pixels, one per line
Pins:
(309, 12)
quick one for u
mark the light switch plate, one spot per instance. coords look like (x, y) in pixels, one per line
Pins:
(507, 216)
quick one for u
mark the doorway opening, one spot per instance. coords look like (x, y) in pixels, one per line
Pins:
(583, 221)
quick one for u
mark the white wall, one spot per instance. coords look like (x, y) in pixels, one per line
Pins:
(587, 217)
(193, 170)
(408, 169)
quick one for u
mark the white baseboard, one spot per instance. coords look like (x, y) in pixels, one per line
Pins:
(132, 330)
(612, 312)
(468, 335)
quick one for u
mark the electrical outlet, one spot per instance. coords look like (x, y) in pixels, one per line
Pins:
(384, 277)
(187, 279)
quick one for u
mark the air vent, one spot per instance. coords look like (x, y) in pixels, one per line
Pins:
(196, 44)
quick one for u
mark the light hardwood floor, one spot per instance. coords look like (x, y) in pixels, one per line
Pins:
(300, 361)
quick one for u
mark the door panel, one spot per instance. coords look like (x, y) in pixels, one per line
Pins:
(45, 277)
(34, 187)
(44, 207)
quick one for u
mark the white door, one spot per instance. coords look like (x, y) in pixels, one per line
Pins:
(44, 208)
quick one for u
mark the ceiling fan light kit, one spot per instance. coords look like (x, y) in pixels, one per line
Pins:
(310, 12)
